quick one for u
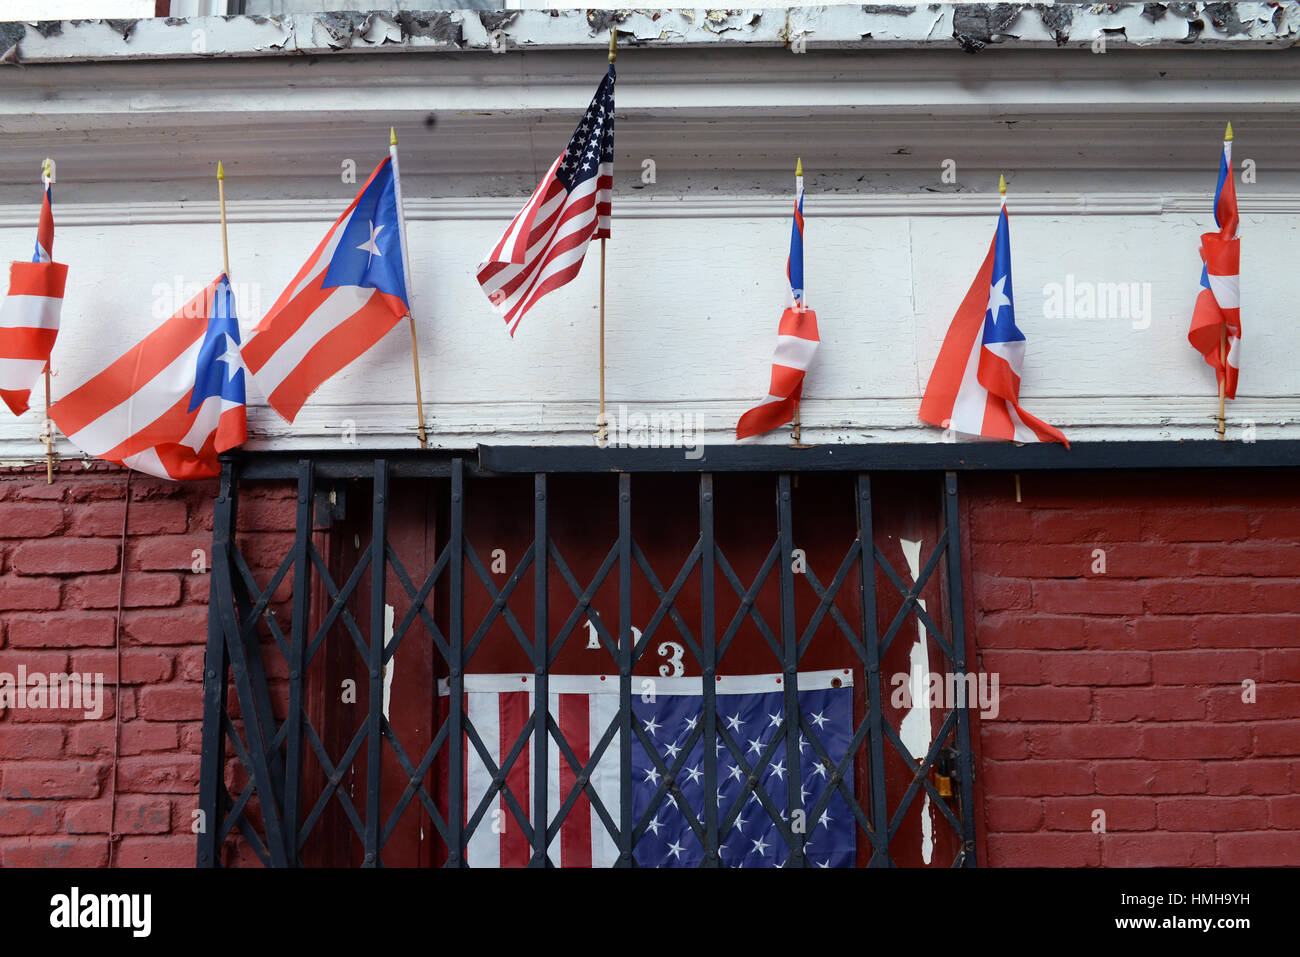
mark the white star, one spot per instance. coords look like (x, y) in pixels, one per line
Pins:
(672, 750)
(997, 298)
(735, 772)
(691, 723)
(230, 357)
(825, 819)
(693, 773)
(369, 245)
(803, 742)
(672, 799)
(740, 823)
(779, 770)
(650, 725)
(776, 720)
(823, 863)
(734, 722)
(818, 719)
(755, 746)
(675, 850)
(760, 847)
(652, 775)
(819, 768)
(654, 825)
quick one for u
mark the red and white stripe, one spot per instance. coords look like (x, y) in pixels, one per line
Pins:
(311, 332)
(29, 324)
(796, 344)
(135, 411)
(544, 245)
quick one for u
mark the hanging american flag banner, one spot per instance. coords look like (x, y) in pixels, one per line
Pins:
(974, 387)
(545, 244)
(796, 340)
(348, 295)
(173, 402)
(1216, 319)
(29, 314)
(586, 709)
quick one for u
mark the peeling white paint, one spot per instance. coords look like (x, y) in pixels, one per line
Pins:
(915, 727)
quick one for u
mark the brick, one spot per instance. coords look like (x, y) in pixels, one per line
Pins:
(171, 553)
(1150, 777)
(999, 523)
(136, 814)
(1045, 704)
(1277, 738)
(156, 852)
(1248, 560)
(63, 630)
(1203, 667)
(1196, 524)
(1271, 701)
(1013, 667)
(183, 626)
(1283, 665)
(1248, 777)
(18, 520)
(142, 590)
(26, 594)
(1013, 814)
(998, 594)
(1269, 849)
(1078, 813)
(1158, 849)
(30, 741)
(19, 818)
(189, 664)
(1012, 630)
(1148, 704)
(1212, 814)
(137, 737)
(1284, 812)
(1036, 778)
(1044, 850)
(60, 851)
(138, 666)
(1092, 597)
(1003, 741)
(64, 556)
(1165, 742)
(146, 518)
(1097, 668)
(1084, 741)
(174, 702)
(1037, 561)
(1090, 526)
(1246, 631)
(52, 779)
(274, 512)
(1195, 597)
(159, 774)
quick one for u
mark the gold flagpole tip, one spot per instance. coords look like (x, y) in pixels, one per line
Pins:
(221, 170)
(798, 166)
(392, 136)
(613, 44)
(1002, 185)
(1227, 134)
(47, 168)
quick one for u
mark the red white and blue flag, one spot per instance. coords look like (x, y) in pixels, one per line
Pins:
(29, 315)
(975, 385)
(545, 244)
(173, 402)
(584, 709)
(1216, 319)
(796, 341)
(348, 295)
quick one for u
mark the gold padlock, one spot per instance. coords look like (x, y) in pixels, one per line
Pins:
(944, 783)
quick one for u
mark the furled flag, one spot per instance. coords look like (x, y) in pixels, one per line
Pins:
(975, 385)
(1216, 318)
(796, 340)
(585, 710)
(544, 246)
(348, 296)
(29, 315)
(173, 402)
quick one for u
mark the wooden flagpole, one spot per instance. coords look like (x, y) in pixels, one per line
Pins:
(602, 428)
(1223, 334)
(47, 177)
(406, 266)
(221, 203)
(800, 302)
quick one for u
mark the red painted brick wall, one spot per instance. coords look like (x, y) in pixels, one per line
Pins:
(1122, 691)
(60, 564)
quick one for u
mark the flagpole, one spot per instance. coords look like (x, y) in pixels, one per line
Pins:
(800, 302)
(1223, 327)
(47, 177)
(602, 436)
(221, 203)
(406, 266)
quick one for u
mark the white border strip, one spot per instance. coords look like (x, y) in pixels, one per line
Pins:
(608, 684)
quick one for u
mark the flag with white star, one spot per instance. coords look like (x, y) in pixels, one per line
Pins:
(350, 294)
(172, 403)
(545, 244)
(753, 790)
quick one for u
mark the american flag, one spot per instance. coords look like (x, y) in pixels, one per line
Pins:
(974, 387)
(796, 340)
(585, 709)
(1216, 318)
(173, 402)
(348, 295)
(29, 315)
(544, 246)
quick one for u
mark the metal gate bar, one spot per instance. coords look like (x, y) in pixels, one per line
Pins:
(272, 756)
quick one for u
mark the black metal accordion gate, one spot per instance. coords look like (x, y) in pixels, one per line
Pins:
(318, 749)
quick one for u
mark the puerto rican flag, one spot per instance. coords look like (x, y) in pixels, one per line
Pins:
(975, 385)
(797, 339)
(1216, 318)
(545, 244)
(584, 710)
(29, 315)
(348, 295)
(174, 401)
